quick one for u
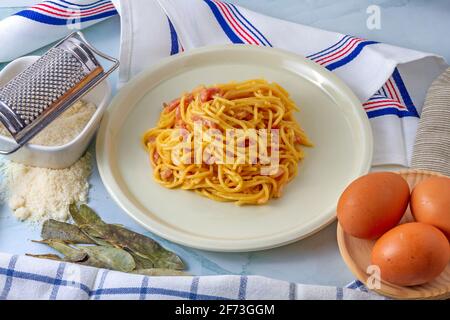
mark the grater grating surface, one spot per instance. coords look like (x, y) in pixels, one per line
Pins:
(34, 90)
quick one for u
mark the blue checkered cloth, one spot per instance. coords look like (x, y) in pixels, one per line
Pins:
(23, 277)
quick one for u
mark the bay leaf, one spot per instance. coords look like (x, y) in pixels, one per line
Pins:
(112, 258)
(139, 244)
(94, 262)
(102, 242)
(120, 237)
(84, 215)
(91, 262)
(52, 229)
(70, 253)
(141, 262)
(45, 256)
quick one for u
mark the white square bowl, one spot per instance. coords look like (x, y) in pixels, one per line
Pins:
(56, 157)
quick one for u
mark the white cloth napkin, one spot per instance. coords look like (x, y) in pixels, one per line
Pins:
(43, 23)
(23, 277)
(390, 81)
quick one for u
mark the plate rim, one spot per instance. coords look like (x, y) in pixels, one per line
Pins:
(215, 244)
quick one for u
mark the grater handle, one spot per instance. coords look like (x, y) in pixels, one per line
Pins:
(97, 52)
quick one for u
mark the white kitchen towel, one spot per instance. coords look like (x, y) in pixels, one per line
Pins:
(46, 22)
(391, 82)
(24, 277)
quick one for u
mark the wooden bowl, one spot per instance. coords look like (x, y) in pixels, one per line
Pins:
(356, 254)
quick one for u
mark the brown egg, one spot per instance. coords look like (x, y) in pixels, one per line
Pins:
(373, 204)
(411, 254)
(430, 203)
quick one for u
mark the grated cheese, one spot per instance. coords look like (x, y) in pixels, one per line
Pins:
(37, 194)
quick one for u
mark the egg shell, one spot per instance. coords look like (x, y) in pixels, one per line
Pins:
(430, 203)
(373, 204)
(411, 254)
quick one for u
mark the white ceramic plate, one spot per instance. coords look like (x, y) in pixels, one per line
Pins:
(330, 113)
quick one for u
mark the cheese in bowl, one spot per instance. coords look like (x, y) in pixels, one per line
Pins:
(63, 129)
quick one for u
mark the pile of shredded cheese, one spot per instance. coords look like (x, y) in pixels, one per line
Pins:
(36, 194)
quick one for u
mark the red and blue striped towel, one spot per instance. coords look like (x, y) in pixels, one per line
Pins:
(48, 21)
(391, 82)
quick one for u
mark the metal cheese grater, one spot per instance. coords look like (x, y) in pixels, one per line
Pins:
(39, 94)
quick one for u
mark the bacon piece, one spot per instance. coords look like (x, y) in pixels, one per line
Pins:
(298, 139)
(189, 98)
(155, 157)
(211, 124)
(207, 94)
(178, 119)
(172, 105)
(178, 114)
(205, 122)
(166, 173)
(176, 102)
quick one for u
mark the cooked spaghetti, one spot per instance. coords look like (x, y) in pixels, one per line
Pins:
(251, 106)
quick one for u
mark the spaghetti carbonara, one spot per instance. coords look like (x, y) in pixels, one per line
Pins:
(236, 141)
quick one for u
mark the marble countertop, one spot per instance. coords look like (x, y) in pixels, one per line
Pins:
(418, 24)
